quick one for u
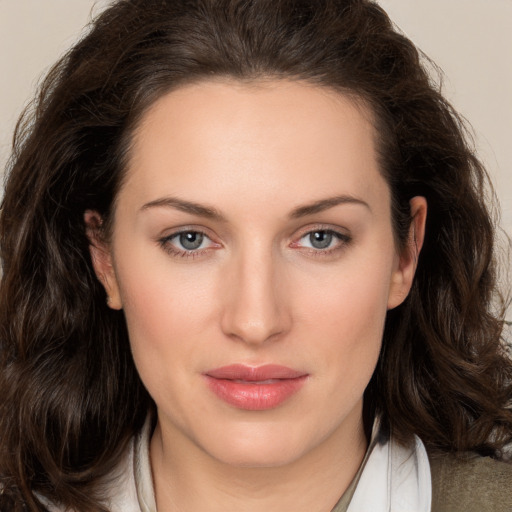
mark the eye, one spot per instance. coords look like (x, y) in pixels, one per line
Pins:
(322, 240)
(319, 239)
(190, 240)
(187, 243)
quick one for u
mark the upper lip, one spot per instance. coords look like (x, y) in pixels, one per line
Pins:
(254, 373)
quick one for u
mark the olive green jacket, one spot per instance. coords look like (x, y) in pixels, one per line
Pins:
(460, 484)
(475, 484)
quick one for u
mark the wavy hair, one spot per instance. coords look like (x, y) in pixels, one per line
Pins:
(70, 396)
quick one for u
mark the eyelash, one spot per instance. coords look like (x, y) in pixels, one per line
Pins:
(168, 247)
(343, 241)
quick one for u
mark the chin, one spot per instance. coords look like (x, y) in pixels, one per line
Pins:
(256, 448)
(258, 458)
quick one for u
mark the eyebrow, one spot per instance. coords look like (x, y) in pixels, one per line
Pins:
(324, 204)
(185, 206)
(214, 214)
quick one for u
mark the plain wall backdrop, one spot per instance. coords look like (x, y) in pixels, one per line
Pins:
(471, 40)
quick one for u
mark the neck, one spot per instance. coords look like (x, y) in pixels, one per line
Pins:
(187, 479)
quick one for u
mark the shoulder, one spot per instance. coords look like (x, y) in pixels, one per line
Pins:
(470, 483)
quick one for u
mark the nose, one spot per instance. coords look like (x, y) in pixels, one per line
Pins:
(255, 306)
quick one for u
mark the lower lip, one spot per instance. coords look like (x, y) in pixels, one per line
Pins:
(253, 396)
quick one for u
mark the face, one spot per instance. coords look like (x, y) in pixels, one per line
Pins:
(253, 256)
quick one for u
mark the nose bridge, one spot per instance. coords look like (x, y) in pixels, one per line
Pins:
(254, 310)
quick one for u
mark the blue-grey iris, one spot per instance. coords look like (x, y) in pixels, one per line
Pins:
(320, 239)
(191, 240)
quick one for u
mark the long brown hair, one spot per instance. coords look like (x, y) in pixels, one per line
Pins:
(70, 395)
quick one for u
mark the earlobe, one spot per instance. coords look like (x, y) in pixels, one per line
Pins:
(102, 259)
(402, 278)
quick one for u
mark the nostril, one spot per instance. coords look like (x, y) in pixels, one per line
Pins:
(253, 332)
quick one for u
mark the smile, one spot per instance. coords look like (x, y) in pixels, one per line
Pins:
(255, 388)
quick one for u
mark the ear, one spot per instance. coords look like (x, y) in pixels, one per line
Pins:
(101, 257)
(402, 278)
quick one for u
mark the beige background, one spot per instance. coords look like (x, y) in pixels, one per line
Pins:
(470, 39)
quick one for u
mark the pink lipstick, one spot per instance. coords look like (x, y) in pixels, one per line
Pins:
(255, 388)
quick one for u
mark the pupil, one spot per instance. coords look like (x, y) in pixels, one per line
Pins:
(191, 240)
(320, 239)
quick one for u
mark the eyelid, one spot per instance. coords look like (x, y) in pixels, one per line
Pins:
(311, 228)
(341, 234)
(165, 241)
(187, 228)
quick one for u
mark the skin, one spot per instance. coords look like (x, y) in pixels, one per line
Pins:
(257, 291)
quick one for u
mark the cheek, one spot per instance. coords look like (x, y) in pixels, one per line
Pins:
(168, 309)
(344, 312)
(351, 298)
(353, 324)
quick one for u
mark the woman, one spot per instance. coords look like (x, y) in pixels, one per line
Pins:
(247, 266)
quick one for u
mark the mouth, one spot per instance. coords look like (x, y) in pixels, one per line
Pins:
(255, 388)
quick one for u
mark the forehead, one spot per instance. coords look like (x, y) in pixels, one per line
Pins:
(254, 138)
